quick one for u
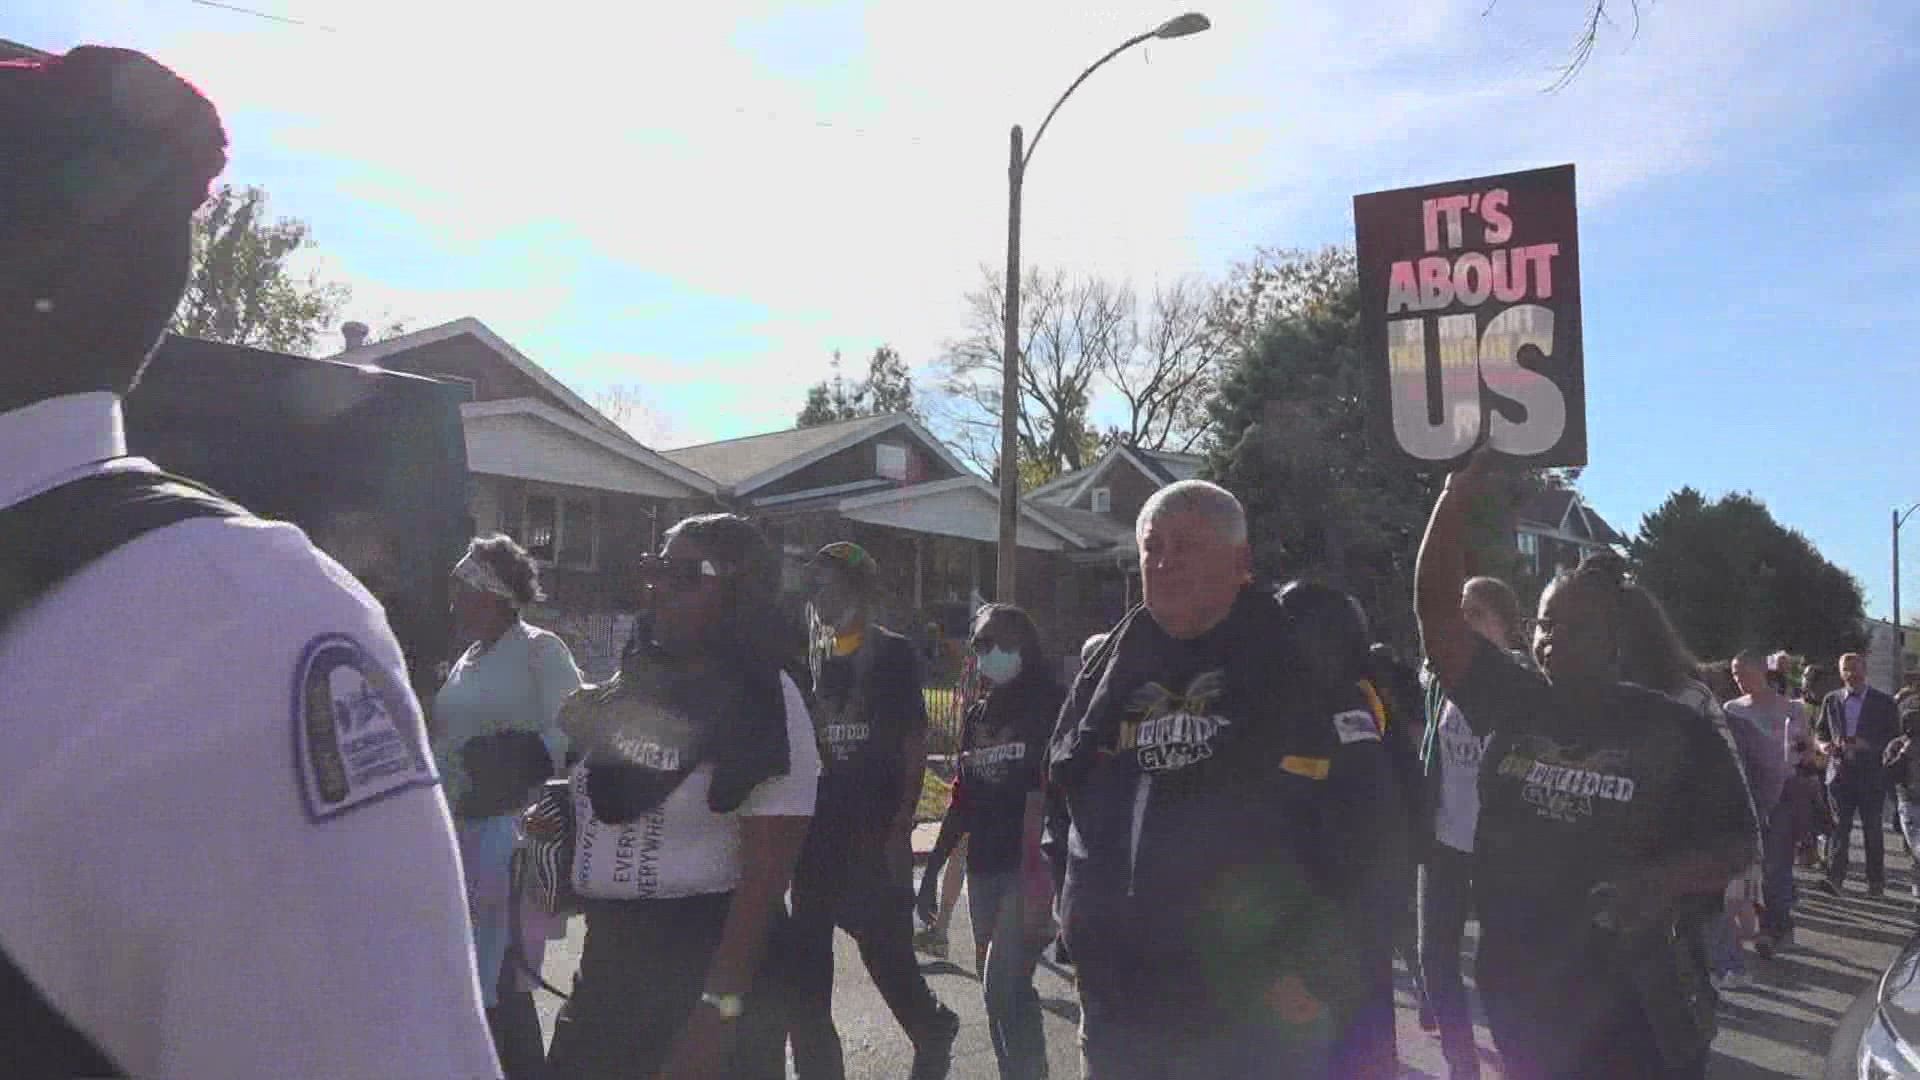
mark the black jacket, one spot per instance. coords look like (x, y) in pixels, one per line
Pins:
(1879, 725)
(1232, 826)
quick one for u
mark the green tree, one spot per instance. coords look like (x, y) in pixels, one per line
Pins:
(243, 291)
(888, 388)
(1731, 577)
(1292, 438)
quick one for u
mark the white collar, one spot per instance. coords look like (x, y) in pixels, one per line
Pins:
(48, 443)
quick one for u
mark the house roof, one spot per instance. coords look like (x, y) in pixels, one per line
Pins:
(1163, 467)
(1562, 510)
(862, 507)
(13, 50)
(754, 461)
(626, 448)
(471, 327)
(1099, 530)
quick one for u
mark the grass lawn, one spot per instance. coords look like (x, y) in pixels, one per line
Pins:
(935, 793)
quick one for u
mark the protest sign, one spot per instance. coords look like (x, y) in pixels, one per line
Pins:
(1470, 316)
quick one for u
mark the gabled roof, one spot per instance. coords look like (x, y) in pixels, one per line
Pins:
(625, 447)
(746, 464)
(1160, 467)
(479, 331)
(1562, 510)
(965, 482)
(1176, 466)
(1099, 530)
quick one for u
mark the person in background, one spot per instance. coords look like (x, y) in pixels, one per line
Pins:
(1816, 682)
(1208, 776)
(197, 882)
(1904, 775)
(1009, 890)
(1652, 655)
(1855, 724)
(1782, 724)
(1060, 818)
(1452, 753)
(1610, 815)
(856, 869)
(496, 739)
(695, 781)
(1327, 630)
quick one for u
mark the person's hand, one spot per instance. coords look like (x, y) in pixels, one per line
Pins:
(701, 1049)
(1476, 476)
(1746, 919)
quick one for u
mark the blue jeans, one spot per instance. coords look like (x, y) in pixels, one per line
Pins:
(1724, 954)
(1013, 1003)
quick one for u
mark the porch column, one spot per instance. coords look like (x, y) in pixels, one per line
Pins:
(919, 574)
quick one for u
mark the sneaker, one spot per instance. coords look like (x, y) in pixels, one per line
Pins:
(1828, 885)
(932, 941)
(1876, 892)
(933, 1048)
(1763, 946)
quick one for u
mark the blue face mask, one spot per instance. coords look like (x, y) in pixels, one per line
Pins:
(998, 665)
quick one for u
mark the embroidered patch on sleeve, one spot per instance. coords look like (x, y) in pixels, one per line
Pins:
(1313, 768)
(1355, 725)
(356, 740)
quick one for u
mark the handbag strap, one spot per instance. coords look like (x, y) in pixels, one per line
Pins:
(44, 540)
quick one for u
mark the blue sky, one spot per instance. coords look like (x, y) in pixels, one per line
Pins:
(704, 204)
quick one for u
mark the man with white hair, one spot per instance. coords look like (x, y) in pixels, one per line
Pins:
(1225, 812)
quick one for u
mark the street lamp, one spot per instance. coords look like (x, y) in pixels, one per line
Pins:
(1017, 158)
(1899, 646)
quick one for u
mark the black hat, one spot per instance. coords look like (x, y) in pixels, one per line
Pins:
(96, 135)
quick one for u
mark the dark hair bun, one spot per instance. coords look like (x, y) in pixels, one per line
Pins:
(136, 135)
(1607, 565)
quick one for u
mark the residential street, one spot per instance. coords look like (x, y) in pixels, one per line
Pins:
(1778, 1030)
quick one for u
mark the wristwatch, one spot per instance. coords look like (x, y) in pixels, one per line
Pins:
(729, 1006)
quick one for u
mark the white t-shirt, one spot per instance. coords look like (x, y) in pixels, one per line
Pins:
(1783, 721)
(1458, 814)
(682, 848)
(223, 853)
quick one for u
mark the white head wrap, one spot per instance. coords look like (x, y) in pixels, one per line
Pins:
(478, 575)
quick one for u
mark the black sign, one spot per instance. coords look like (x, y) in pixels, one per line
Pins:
(1470, 309)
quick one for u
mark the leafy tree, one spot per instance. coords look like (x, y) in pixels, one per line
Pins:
(1731, 577)
(242, 290)
(889, 385)
(1292, 438)
(888, 388)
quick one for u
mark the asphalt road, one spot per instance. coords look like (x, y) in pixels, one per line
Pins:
(1778, 1030)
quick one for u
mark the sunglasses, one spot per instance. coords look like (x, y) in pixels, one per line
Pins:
(683, 575)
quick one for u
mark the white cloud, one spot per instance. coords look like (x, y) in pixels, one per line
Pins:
(843, 167)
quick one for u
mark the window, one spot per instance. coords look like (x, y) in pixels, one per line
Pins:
(890, 461)
(562, 531)
(1103, 500)
(1530, 551)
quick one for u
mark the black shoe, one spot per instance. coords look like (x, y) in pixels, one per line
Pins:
(1763, 946)
(1875, 892)
(933, 1047)
(1828, 886)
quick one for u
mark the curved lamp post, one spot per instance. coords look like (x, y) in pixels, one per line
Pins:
(1018, 156)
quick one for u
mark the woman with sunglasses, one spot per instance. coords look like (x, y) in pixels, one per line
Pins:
(692, 797)
(495, 739)
(1010, 892)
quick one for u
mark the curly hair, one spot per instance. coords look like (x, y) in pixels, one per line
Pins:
(505, 557)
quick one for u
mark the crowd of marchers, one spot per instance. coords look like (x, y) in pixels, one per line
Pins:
(242, 850)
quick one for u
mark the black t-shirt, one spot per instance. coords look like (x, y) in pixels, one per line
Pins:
(864, 708)
(1579, 788)
(1003, 760)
